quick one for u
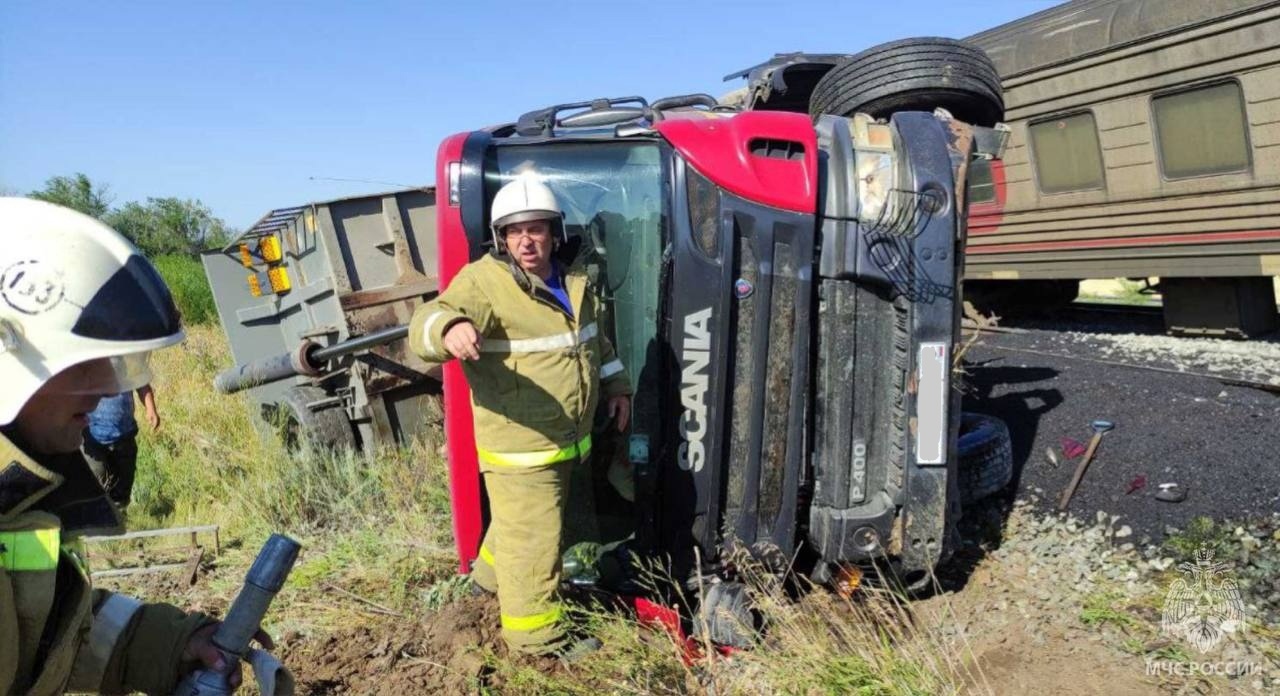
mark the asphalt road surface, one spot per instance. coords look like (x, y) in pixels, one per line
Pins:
(1218, 440)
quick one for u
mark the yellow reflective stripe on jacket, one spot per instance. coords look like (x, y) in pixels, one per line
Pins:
(539, 458)
(486, 556)
(531, 623)
(30, 550)
(568, 339)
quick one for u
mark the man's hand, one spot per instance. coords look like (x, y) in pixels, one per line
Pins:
(148, 397)
(620, 410)
(462, 341)
(153, 417)
(200, 647)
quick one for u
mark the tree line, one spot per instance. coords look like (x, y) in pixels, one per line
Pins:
(158, 226)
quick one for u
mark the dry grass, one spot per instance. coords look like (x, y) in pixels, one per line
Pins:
(823, 643)
(820, 643)
(871, 645)
(208, 463)
(378, 528)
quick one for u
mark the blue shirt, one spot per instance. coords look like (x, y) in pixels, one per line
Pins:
(113, 419)
(556, 286)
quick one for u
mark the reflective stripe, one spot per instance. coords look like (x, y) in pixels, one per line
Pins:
(539, 458)
(486, 556)
(426, 331)
(534, 345)
(109, 622)
(610, 368)
(32, 550)
(531, 623)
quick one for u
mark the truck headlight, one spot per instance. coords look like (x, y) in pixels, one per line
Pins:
(875, 181)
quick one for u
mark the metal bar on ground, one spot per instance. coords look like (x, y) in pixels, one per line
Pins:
(145, 533)
(119, 572)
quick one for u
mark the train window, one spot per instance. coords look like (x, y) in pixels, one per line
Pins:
(981, 187)
(1066, 153)
(1201, 131)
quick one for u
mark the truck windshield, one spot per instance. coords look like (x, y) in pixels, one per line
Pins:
(613, 198)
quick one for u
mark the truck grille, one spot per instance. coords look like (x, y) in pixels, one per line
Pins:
(777, 387)
(762, 466)
(752, 303)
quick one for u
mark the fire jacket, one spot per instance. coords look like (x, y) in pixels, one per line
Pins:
(57, 633)
(535, 387)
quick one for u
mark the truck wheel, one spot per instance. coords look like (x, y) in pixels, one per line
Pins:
(986, 457)
(322, 429)
(917, 74)
(726, 617)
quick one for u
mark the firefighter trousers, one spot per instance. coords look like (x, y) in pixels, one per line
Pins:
(534, 515)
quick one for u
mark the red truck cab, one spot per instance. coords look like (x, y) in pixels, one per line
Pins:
(784, 295)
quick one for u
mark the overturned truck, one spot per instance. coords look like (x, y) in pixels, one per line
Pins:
(784, 290)
(784, 296)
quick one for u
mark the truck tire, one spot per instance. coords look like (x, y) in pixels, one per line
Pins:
(917, 74)
(986, 457)
(726, 617)
(322, 429)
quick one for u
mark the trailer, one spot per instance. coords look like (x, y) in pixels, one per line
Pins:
(310, 276)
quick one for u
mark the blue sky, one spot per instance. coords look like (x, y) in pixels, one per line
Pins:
(240, 104)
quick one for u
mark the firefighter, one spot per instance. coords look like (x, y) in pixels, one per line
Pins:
(79, 311)
(523, 321)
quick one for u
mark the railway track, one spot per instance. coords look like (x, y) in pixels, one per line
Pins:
(970, 327)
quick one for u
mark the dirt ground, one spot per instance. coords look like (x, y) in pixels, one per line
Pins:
(1009, 607)
(1020, 658)
(443, 655)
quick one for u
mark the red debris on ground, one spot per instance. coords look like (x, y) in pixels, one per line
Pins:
(1072, 448)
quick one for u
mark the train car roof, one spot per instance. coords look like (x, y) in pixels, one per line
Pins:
(1081, 28)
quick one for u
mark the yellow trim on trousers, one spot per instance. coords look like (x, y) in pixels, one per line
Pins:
(538, 458)
(531, 623)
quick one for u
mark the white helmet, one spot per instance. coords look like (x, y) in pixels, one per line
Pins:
(73, 290)
(524, 199)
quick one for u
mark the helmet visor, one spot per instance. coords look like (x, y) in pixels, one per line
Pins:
(104, 376)
(133, 305)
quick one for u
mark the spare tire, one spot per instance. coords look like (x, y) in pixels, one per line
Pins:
(918, 74)
(986, 457)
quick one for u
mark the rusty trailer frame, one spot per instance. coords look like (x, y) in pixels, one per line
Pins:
(328, 272)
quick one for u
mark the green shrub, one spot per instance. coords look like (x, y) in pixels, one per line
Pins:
(189, 286)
